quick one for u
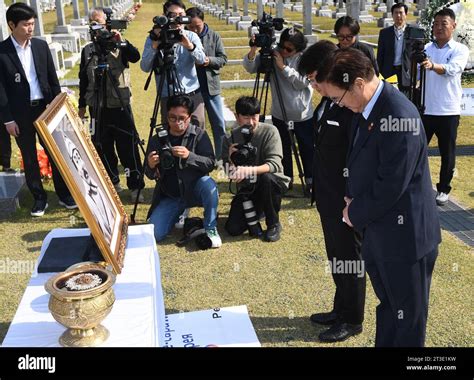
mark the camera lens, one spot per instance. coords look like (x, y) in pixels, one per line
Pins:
(167, 159)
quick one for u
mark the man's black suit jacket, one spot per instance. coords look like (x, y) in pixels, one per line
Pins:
(15, 90)
(331, 141)
(389, 180)
(386, 51)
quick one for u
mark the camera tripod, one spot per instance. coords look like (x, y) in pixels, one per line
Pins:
(417, 95)
(102, 73)
(267, 68)
(165, 67)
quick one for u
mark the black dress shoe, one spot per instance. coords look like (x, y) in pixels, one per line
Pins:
(273, 233)
(324, 318)
(340, 332)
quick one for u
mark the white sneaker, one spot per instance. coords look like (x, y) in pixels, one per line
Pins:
(180, 223)
(442, 198)
(118, 187)
(133, 196)
(213, 235)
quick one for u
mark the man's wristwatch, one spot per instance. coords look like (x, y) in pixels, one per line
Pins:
(194, 47)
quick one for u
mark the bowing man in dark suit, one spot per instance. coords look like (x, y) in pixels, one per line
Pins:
(331, 125)
(389, 197)
(29, 83)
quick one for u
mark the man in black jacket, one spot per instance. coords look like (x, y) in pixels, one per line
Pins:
(179, 158)
(391, 46)
(28, 84)
(331, 136)
(116, 118)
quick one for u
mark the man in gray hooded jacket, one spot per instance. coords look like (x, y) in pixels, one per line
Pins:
(208, 75)
(296, 97)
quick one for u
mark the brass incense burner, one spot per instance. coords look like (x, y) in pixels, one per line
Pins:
(81, 297)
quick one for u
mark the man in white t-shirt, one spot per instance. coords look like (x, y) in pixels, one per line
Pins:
(446, 60)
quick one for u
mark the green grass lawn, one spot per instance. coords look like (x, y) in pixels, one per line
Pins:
(281, 283)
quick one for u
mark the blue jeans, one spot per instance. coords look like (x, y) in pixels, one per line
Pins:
(215, 113)
(166, 214)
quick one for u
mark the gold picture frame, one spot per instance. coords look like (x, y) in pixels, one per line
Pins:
(75, 156)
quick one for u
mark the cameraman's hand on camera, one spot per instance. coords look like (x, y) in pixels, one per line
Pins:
(153, 159)
(180, 151)
(186, 43)
(155, 44)
(241, 173)
(430, 65)
(427, 64)
(117, 35)
(253, 49)
(278, 59)
(232, 149)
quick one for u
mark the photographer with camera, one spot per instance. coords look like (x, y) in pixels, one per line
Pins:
(445, 62)
(208, 75)
(108, 50)
(179, 158)
(253, 157)
(169, 43)
(295, 92)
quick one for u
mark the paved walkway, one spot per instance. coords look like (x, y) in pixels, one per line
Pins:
(461, 150)
(458, 221)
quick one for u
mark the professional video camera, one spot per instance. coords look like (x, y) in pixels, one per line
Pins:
(415, 43)
(415, 40)
(113, 24)
(105, 39)
(265, 39)
(246, 153)
(103, 35)
(164, 148)
(169, 34)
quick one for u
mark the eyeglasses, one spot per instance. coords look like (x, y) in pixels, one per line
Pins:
(174, 14)
(289, 50)
(175, 119)
(336, 101)
(341, 37)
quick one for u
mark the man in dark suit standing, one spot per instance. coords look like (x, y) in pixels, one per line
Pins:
(331, 136)
(391, 45)
(389, 197)
(28, 83)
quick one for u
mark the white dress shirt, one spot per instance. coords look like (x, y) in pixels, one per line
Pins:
(398, 46)
(26, 58)
(444, 92)
(370, 105)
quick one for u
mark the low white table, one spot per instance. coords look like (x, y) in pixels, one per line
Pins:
(137, 317)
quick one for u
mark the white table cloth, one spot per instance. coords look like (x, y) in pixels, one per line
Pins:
(137, 317)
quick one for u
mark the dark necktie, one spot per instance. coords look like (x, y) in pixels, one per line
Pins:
(357, 127)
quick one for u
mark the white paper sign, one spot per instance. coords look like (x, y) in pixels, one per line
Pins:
(225, 327)
(467, 102)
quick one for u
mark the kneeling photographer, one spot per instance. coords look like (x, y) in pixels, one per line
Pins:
(253, 156)
(179, 158)
(105, 63)
(295, 93)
